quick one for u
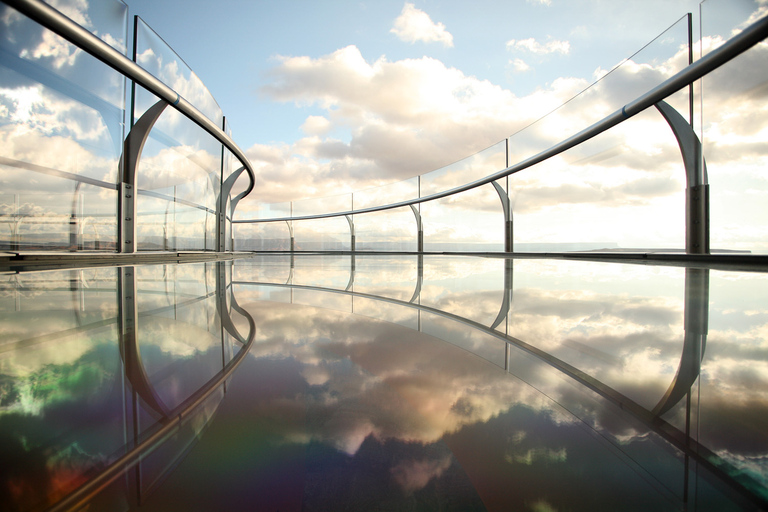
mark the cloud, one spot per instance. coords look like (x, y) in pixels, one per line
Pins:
(535, 47)
(415, 25)
(413, 475)
(316, 125)
(519, 65)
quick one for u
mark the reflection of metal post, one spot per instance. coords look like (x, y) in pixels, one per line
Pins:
(126, 199)
(351, 281)
(696, 321)
(419, 230)
(419, 278)
(697, 191)
(507, 299)
(129, 342)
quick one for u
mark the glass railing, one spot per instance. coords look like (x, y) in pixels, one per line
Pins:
(625, 188)
(546, 188)
(64, 160)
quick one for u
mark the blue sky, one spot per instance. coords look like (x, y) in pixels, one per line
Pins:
(234, 45)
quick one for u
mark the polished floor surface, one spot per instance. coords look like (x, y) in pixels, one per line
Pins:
(374, 382)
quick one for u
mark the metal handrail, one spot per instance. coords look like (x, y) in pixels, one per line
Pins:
(57, 22)
(732, 48)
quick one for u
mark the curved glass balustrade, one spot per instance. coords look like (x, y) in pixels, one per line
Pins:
(590, 195)
(82, 172)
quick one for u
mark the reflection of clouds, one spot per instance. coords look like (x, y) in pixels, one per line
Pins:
(403, 385)
(413, 475)
(39, 110)
(55, 47)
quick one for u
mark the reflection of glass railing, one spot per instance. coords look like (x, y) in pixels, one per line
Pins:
(604, 333)
(178, 159)
(589, 184)
(138, 355)
(114, 373)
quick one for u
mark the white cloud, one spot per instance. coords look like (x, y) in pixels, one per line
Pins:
(533, 46)
(415, 25)
(316, 125)
(519, 65)
(542, 2)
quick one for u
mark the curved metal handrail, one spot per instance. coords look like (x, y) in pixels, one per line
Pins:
(716, 58)
(53, 20)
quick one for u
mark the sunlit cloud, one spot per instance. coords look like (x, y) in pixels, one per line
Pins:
(415, 25)
(519, 65)
(535, 47)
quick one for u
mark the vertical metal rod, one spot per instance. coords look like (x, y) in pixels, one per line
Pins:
(221, 205)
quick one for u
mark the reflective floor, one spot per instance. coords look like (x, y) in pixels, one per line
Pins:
(384, 383)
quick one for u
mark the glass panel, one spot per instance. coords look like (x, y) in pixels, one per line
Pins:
(387, 194)
(330, 234)
(320, 205)
(154, 55)
(735, 120)
(465, 171)
(266, 236)
(61, 129)
(388, 230)
(660, 59)
(624, 189)
(469, 221)
(178, 178)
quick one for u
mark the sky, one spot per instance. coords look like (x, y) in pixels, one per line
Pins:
(245, 53)
(237, 47)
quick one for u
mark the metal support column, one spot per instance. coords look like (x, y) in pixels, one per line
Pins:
(351, 222)
(697, 190)
(126, 200)
(506, 206)
(419, 229)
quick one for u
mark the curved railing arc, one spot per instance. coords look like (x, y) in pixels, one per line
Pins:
(697, 209)
(126, 232)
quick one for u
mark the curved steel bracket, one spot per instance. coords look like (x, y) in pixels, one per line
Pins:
(419, 229)
(351, 222)
(697, 191)
(132, 148)
(221, 206)
(507, 299)
(696, 324)
(506, 206)
(419, 278)
(129, 343)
